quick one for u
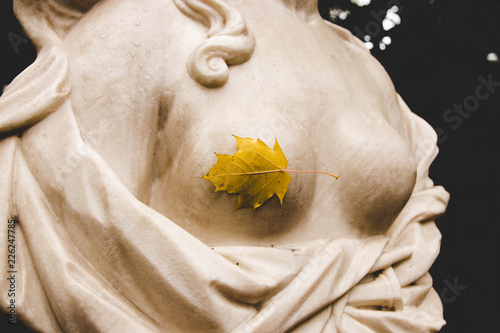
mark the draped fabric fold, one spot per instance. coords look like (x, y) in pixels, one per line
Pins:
(38, 91)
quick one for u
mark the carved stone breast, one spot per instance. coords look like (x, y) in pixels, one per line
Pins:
(328, 102)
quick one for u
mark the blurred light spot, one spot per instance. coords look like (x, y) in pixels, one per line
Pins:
(391, 18)
(367, 38)
(338, 13)
(387, 40)
(369, 45)
(492, 57)
(361, 3)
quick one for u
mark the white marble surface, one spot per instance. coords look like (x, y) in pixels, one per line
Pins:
(120, 116)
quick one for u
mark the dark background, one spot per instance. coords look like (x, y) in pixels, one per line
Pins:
(436, 57)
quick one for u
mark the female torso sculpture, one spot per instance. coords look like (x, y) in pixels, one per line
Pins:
(303, 85)
(106, 137)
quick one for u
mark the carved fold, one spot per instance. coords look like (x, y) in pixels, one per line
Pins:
(35, 93)
(229, 42)
(48, 21)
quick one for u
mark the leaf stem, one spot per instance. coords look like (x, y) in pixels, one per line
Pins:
(281, 170)
(303, 171)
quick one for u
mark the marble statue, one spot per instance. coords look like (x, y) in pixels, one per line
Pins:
(105, 139)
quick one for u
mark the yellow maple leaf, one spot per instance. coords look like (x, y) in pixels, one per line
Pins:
(256, 172)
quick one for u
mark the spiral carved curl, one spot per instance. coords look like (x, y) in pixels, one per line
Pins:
(229, 40)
